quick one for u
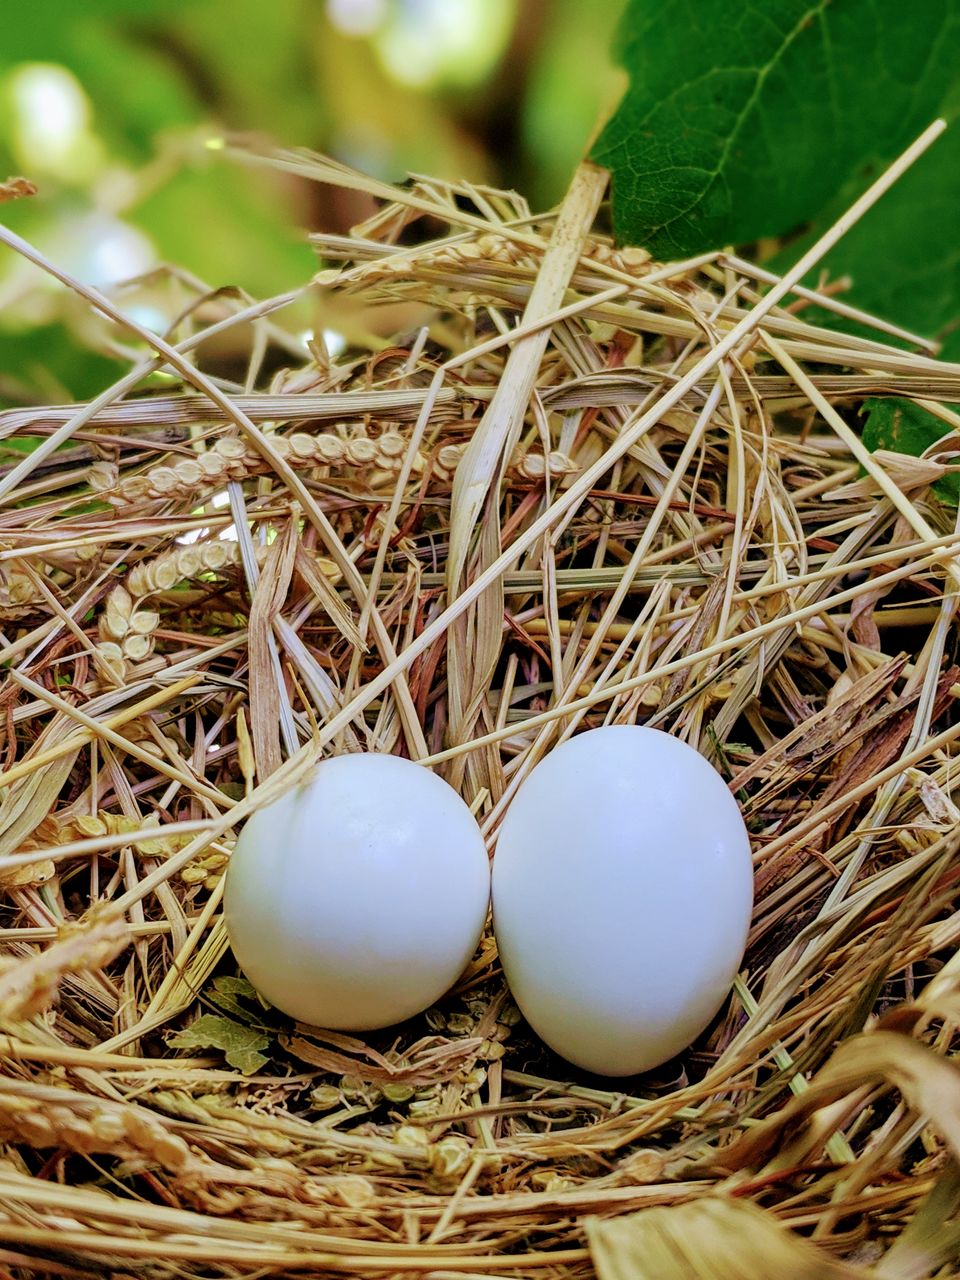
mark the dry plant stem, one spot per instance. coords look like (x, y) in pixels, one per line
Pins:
(716, 649)
(862, 454)
(836, 305)
(252, 574)
(390, 522)
(564, 696)
(97, 729)
(916, 747)
(588, 479)
(283, 469)
(75, 421)
(291, 773)
(104, 843)
(68, 745)
(499, 427)
(474, 644)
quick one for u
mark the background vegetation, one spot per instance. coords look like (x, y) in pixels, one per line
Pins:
(109, 107)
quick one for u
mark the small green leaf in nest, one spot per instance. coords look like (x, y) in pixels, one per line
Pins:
(241, 1045)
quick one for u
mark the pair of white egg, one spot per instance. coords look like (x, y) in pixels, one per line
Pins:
(622, 893)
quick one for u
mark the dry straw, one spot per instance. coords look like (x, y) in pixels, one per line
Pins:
(582, 487)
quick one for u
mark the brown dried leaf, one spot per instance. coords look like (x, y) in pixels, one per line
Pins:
(426, 1071)
(707, 1239)
(321, 586)
(931, 1237)
(271, 591)
(26, 803)
(822, 731)
(929, 1084)
(16, 189)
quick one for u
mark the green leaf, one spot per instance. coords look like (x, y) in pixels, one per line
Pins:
(571, 78)
(903, 427)
(244, 240)
(903, 257)
(228, 985)
(229, 993)
(48, 364)
(742, 122)
(137, 89)
(268, 82)
(241, 1045)
(44, 30)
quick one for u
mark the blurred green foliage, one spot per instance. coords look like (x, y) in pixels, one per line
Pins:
(108, 106)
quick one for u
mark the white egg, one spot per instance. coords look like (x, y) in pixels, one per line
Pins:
(622, 893)
(358, 900)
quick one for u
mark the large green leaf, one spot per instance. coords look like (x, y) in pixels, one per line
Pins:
(742, 121)
(902, 259)
(904, 427)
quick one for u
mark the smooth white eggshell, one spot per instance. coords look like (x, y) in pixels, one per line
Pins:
(358, 900)
(622, 894)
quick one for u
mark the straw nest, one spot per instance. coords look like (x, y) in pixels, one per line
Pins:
(583, 487)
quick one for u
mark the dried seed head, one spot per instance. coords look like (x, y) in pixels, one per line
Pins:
(410, 1135)
(35, 1129)
(391, 445)
(361, 450)
(136, 648)
(190, 562)
(532, 465)
(215, 555)
(109, 1129)
(171, 1152)
(212, 465)
(231, 448)
(460, 1024)
(424, 1108)
(330, 449)
(352, 1189)
(102, 476)
(111, 655)
(113, 625)
(163, 480)
(473, 1080)
(302, 446)
(633, 257)
(143, 621)
(325, 1097)
(450, 1157)
(397, 1093)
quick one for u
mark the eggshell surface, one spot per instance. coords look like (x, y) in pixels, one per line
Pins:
(357, 901)
(622, 894)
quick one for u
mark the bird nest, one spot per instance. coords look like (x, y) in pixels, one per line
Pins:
(580, 487)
